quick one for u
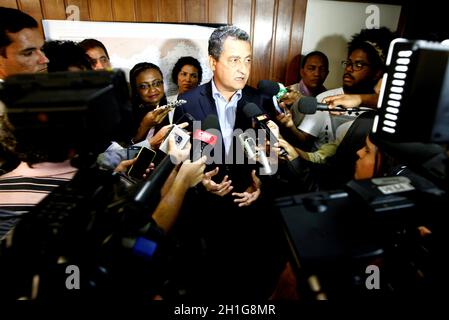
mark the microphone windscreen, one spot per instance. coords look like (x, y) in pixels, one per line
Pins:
(308, 105)
(211, 122)
(268, 87)
(251, 110)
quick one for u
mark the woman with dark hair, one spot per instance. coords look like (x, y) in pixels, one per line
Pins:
(147, 95)
(187, 74)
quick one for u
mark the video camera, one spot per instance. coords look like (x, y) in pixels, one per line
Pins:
(93, 223)
(338, 237)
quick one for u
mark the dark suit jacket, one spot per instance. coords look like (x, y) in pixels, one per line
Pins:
(200, 104)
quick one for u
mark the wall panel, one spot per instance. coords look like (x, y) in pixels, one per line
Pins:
(33, 8)
(195, 11)
(100, 10)
(218, 11)
(171, 11)
(83, 6)
(54, 9)
(262, 40)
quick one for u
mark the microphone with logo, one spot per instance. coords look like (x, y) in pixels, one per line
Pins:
(252, 111)
(275, 89)
(203, 141)
(309, 105)
(250, 148)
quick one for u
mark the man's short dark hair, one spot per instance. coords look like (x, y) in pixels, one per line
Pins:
(12, 21)
(186, 61)
(87, 44)
(315, 54)
(219, 36)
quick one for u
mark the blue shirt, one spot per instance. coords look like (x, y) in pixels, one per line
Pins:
(226, 114)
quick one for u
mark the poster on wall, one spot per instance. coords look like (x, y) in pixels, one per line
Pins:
(130, 43)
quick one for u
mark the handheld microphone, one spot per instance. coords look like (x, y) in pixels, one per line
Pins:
(251, 110)
(275, 89)
(309, 105)
(272, 88)
(202, 138)
(173, 104)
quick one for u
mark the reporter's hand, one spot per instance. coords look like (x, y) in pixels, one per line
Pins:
(177, 155)
(343, 100)
(290, 97)
(220, 189)
(124, 165)
(251, 194)
(192, 173)
(156, 140)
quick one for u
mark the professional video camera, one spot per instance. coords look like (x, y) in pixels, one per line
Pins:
(94, 226)
(367, 239)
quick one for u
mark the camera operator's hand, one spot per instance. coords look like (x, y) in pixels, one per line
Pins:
(124, 165)
(151, 119)
(290, 97)
(220, 189)
(154, 117)
(177, 155)
(251, 194)
(292, 153)
(285, 119)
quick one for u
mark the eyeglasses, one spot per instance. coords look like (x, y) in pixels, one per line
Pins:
(146, 85)
(356, 66)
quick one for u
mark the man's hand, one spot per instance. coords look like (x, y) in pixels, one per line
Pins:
(192, 173)
(155, 117)
(290, 97)
(124, 165)
(251, 194)
(220, 189)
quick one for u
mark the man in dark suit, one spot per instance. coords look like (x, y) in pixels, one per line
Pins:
(241, 242)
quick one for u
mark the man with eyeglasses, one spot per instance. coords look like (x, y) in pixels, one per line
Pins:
(364, 66)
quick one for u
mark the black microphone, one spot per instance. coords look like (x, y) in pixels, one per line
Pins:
(151, 188)
(272, 88)
(309, 105)
(251, 110)
(202, 138)
(275, 89)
